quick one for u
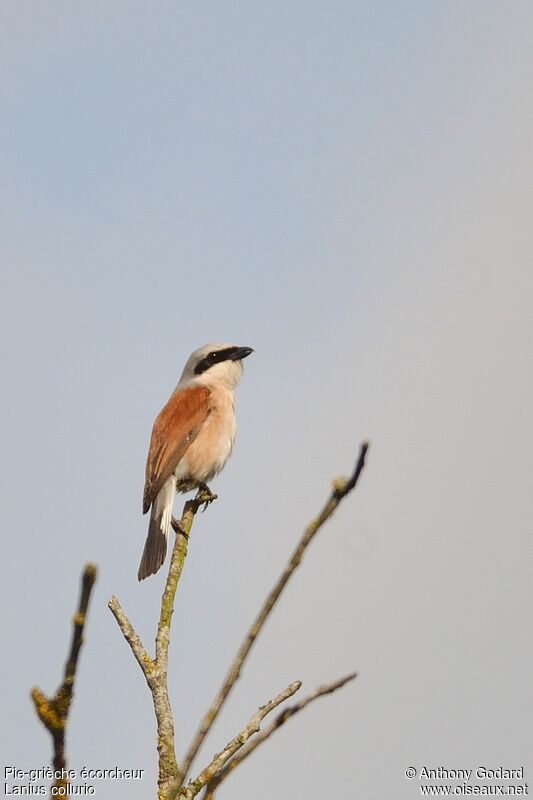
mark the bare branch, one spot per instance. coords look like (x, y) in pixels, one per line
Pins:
(280, 720)
(220, 759)
(156, 670)
(132, 637)
(341, 488)
(53, 712)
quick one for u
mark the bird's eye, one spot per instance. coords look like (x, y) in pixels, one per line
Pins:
(213, 356)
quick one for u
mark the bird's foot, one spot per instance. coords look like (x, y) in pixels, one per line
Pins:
(204, 495)
(177, 526)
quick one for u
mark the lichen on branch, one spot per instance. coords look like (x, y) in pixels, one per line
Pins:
(53, 711)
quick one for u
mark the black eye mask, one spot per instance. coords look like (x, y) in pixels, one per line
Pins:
(228, 353)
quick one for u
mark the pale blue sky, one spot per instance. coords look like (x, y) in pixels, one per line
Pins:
(346, 187)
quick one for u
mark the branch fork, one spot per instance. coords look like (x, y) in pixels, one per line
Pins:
(53, 711)
(172, 783)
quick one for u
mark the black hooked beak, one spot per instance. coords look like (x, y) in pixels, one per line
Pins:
(241, 352)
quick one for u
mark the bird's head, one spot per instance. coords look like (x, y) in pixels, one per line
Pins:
(218, 362)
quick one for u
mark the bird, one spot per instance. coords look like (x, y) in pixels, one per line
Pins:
(192, 438)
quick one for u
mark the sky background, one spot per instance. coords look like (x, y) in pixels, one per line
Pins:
(346, 187)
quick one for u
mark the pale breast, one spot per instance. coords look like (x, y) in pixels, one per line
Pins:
(212, 447)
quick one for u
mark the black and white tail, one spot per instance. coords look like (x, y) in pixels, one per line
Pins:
(155, 548)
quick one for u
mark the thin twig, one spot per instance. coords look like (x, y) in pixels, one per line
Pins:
(146, 663)
(156, 670)
(341, 488)
(220, 759)
(53, 711)
(280, 720)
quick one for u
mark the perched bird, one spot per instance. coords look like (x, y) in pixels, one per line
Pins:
(191, 441)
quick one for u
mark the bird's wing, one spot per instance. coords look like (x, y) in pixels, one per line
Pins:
(175, 428)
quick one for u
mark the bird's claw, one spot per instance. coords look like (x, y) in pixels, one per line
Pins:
(204, 496)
